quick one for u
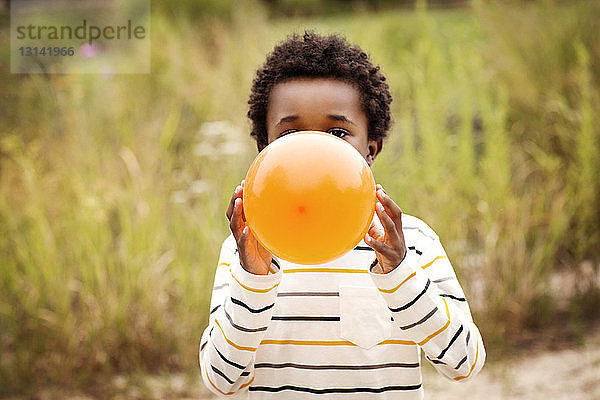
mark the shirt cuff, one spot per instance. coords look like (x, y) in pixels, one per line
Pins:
(402, 273)
(256, 283)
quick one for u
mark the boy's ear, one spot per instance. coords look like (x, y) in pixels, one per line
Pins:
(374, 147)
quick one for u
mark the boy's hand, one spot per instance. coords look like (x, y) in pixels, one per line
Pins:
(253, 256)
(388, 243)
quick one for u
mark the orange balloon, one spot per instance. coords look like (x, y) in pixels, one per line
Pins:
(309, 197)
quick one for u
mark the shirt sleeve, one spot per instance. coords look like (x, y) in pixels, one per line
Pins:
(428, 304)
(240, 311)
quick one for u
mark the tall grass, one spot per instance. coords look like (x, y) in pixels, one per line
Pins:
(112, 209)
(113, 188)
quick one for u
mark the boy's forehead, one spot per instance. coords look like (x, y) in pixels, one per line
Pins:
(314, 85)
(313, 93)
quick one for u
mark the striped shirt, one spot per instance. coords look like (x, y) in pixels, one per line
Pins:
(338, 330)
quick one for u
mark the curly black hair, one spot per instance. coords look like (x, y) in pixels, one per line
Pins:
(329, 56)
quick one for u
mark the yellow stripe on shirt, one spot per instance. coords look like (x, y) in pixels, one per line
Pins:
(397, 287)
(328, 342)
(237, 346)
(412, 275)
(397, 341)
(308, 342)
(229, 393)
(251, 289)
(333, 270)
(432, 261)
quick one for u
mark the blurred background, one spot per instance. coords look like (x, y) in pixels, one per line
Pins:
(113, 188)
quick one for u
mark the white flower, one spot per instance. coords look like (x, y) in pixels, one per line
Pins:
(199, 187)
(218, 129)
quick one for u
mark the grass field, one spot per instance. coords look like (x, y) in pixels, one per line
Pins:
(113, 187)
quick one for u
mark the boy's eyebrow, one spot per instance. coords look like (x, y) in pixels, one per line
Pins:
(339, 117)
(288, 118)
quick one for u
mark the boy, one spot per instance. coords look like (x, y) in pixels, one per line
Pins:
(353, 327)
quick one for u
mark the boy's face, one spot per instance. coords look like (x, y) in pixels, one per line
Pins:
(320, 104)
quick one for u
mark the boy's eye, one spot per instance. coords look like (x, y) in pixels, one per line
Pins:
(339, 132)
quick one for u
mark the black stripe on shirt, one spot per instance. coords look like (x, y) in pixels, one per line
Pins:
(434, 361)
(425, 318)
(215, 309)
(419, 252)
(453, 297)
(413, 301)
(243, 328)
(332, 390)
(274, 261)
(252, 310)
(365, 248)
(443, 279)
(303, 318)
(464, 359)
(461, 363)
(203, 345)
(304, 294)
(224, 285)
(420, 230)
(337, 367)
(226, 360)
(456, 335)
(218, 372)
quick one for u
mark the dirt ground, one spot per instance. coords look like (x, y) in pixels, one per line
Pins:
(571, 373)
